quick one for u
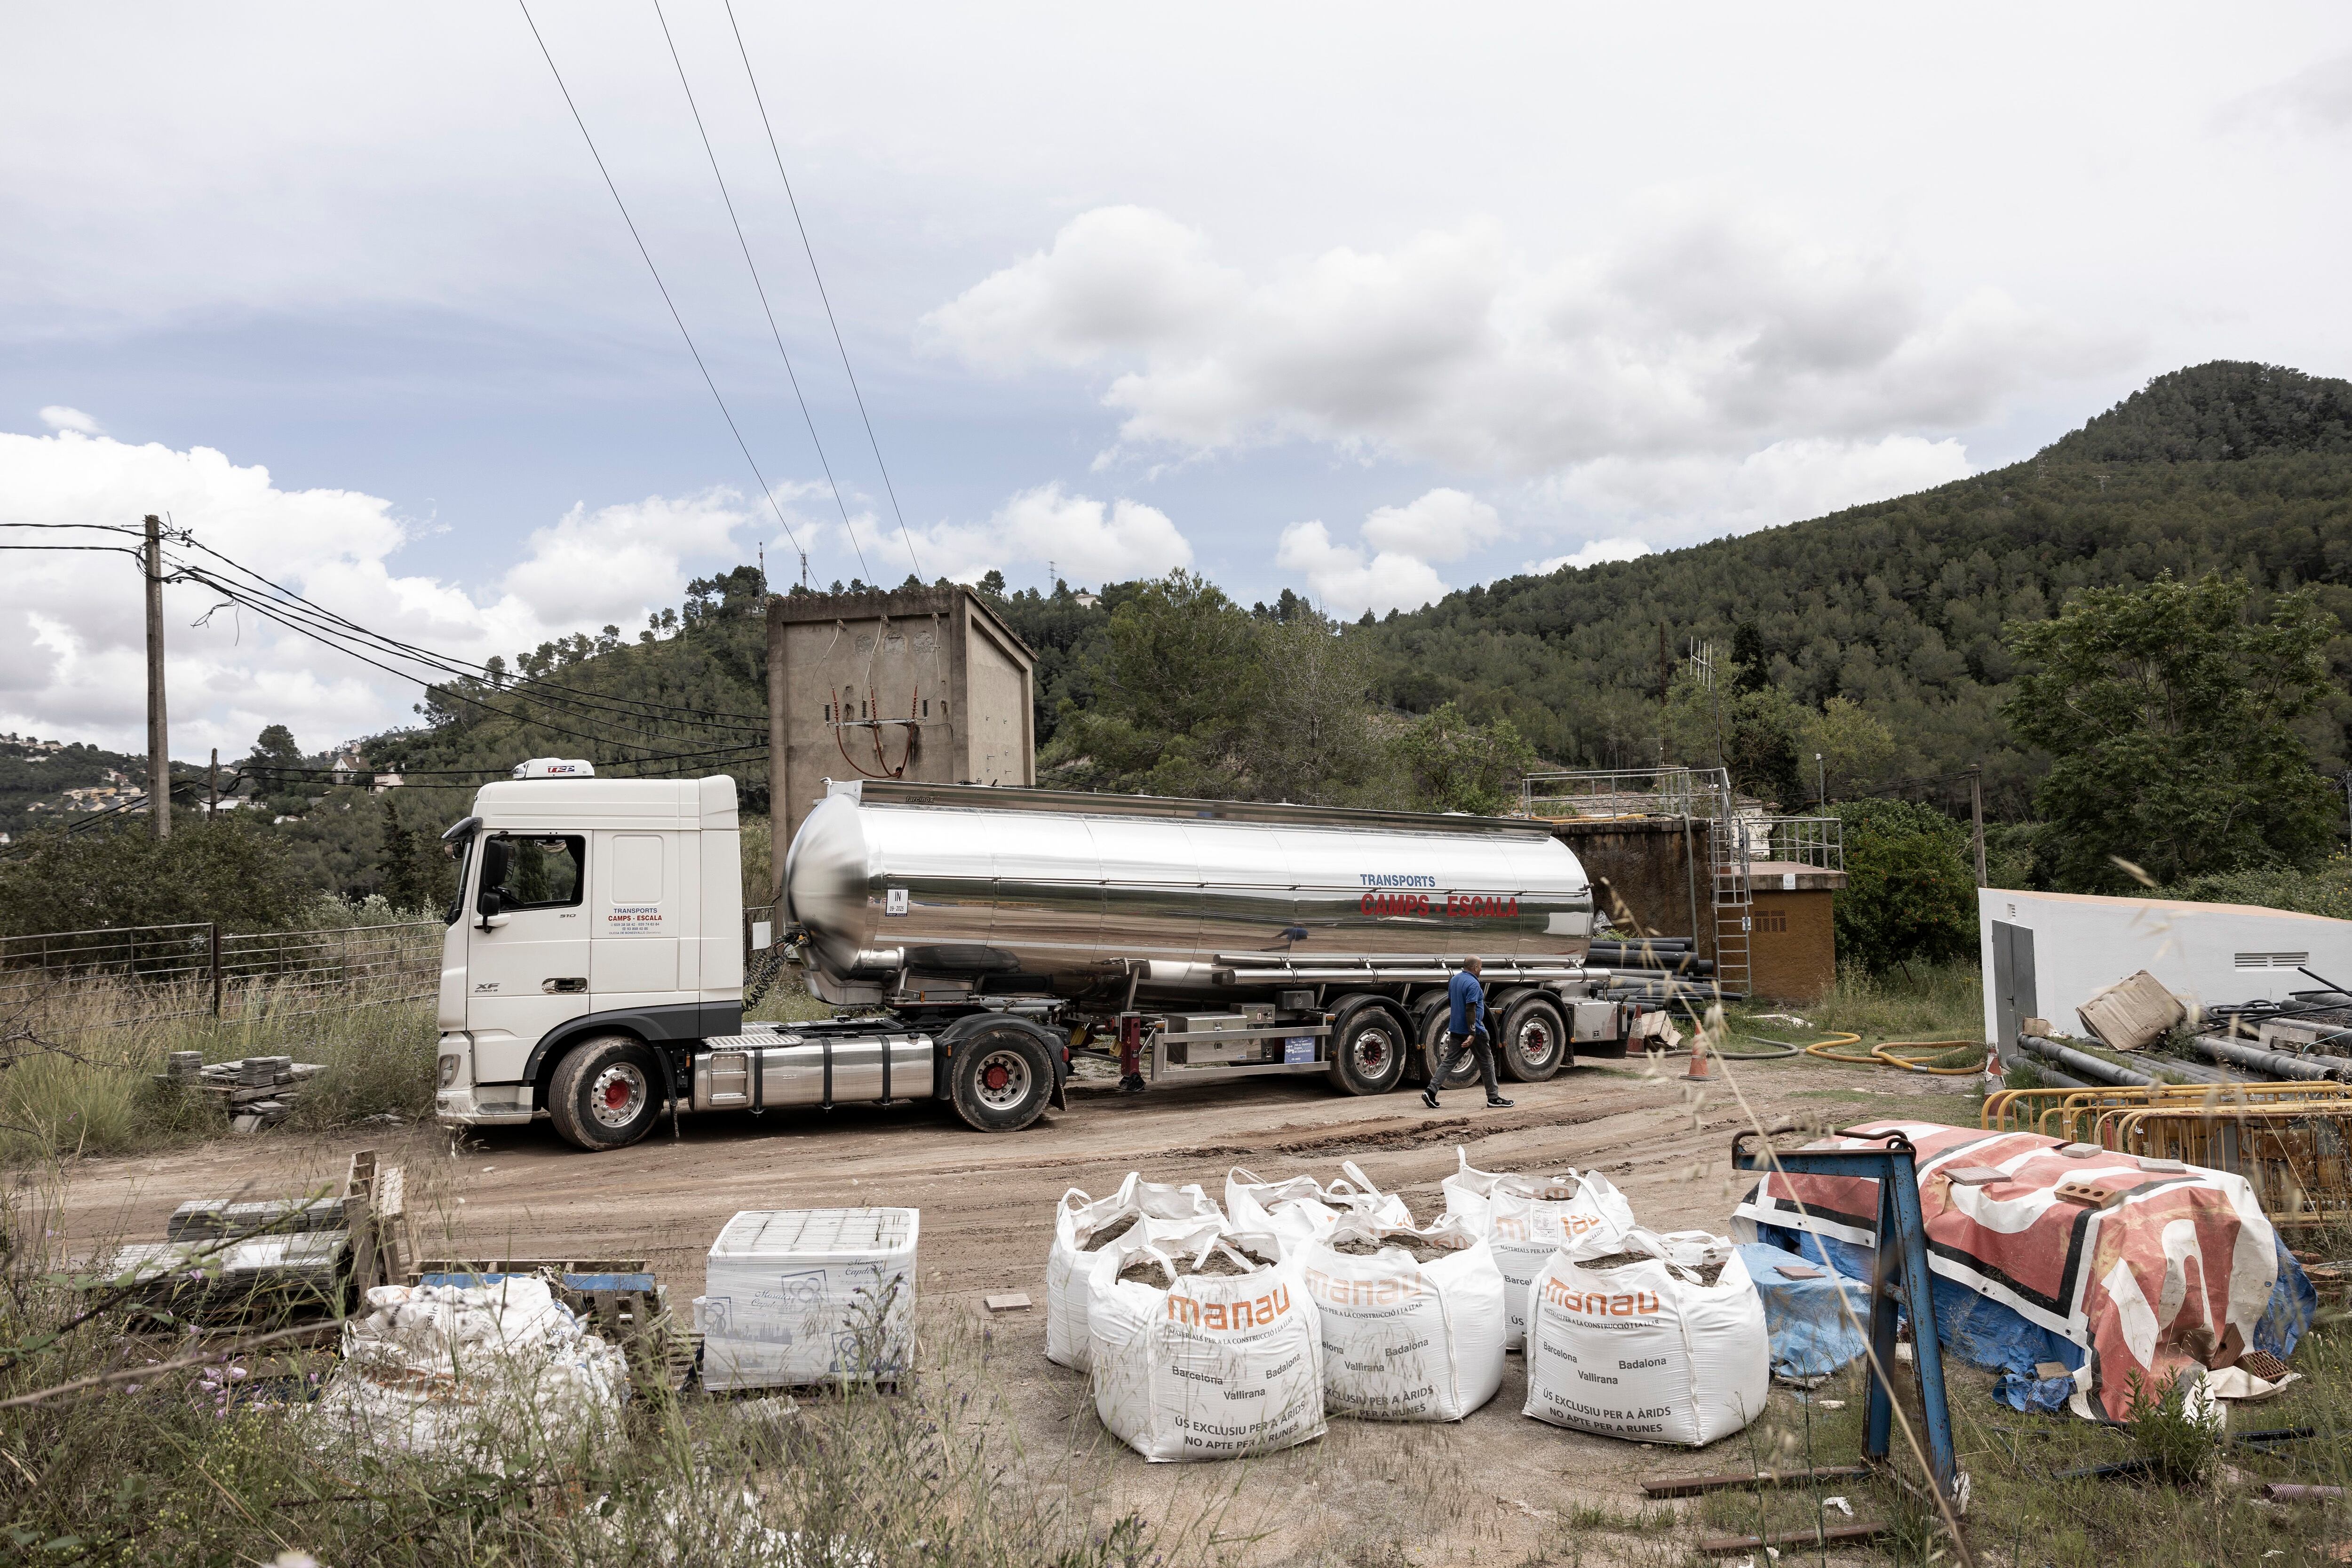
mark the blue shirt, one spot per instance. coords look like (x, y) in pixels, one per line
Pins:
(1469, 1000)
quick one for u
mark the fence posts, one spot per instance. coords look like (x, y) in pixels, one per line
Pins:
(213, 940)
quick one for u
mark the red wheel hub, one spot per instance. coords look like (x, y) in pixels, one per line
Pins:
(617, 1096)
(995, 1075)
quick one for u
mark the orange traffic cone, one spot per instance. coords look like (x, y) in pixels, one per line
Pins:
(1697, 1073)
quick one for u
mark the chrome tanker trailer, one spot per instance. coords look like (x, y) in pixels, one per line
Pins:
(1198, 939)
(973, 939)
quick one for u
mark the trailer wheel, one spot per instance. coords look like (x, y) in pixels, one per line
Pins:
(1436, 1017)
(1535, 1039)
(606, 1092)
(1001, 1079)
(1368, 1045)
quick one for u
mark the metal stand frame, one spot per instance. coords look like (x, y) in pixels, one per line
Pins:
(1902, 1251)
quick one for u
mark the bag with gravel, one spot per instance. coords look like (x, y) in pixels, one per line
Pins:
(1184, 1218)
(1657, 1339)
(1213, 1357)
(1412, 1319)
(1302, 1208)
(1527, 1218)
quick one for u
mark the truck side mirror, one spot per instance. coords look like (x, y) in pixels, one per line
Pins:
(496, 853)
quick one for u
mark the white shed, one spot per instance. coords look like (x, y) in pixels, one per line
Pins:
(2047, 953)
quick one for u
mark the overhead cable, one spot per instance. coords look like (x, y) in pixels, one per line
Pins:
(767, 493)
(809, 250)
(467, 669)
(762, 290)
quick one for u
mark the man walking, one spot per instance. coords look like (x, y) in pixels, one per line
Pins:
(1467, 1032)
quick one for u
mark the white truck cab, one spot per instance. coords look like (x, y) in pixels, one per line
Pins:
(593, 973)
(587, 907)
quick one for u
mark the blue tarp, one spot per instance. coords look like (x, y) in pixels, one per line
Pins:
(1811, 1335)
(1984, 1333)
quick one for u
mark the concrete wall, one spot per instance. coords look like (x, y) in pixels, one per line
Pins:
(1647, 864)
(951, 681)
(2047, 954)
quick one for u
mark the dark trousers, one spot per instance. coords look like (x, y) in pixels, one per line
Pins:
(1450, 1057)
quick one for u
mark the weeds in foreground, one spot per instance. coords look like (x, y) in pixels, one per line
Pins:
(235, 1463)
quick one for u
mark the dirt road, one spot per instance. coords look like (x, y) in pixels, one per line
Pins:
(1496, 1489)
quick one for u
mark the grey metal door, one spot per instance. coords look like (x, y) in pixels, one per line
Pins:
(2014, 997)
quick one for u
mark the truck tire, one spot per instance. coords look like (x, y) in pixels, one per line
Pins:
(1533, 1045)
(1000, 1079)
(1436, 1016)
(1369, 1044)
(606, 1092)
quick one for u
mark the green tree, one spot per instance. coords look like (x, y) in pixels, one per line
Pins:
(1176, 680)
(221, 871)
(1855, 745)
(1309, 735)
(1454, 765)
(1910, 891)
(2168, 711)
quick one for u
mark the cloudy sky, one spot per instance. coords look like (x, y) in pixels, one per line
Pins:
(1372, 301)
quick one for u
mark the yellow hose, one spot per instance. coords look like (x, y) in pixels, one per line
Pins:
(1888, 1054)
(1929, 1049)
(1823, 1052)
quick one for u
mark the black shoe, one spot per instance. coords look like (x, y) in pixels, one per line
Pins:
(1132, 1084)
(1496, 1102)
(1429, 1098)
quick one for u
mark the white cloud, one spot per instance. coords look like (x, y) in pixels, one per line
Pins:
(1442, 525)
(1344, 579)
(1088, 542)
(594, 568)
(71, 628)
(1703, 332)
(2318, 97)
(58, 416)
(1591, 555)
(1668, 501)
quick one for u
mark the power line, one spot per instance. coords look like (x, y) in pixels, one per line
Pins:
(464, 669)
(707, 379)
(810, 251)
(762, 290)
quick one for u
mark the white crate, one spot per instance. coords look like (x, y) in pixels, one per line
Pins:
(794, 1296)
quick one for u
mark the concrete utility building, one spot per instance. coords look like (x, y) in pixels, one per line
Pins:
(926, 685)
(2045, 955)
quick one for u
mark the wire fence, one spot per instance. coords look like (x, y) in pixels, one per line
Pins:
(195, 968)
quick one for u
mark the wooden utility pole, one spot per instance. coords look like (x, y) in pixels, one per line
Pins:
(1976, 817)
(212, 787)
(158, 738)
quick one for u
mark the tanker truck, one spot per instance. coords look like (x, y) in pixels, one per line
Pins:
(970, 939)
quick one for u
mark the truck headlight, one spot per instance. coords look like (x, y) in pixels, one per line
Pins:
(449, 1069)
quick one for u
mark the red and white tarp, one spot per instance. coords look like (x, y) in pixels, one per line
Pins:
(2155, 1283)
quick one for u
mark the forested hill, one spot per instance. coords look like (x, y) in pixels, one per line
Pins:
(1899, 605)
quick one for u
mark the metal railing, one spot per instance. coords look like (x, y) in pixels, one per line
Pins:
(1818, 842)
(1700, 792)
(202, 969)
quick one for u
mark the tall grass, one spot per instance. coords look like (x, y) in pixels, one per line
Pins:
(1930, 1002)
(83, 1080)
(232, 1465)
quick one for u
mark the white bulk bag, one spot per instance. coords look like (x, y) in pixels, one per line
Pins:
(1406, 1340)
(1643, 1350)
(1213, 1367)
(1301, 1208)
(1526, 1219)
(1184, 1218)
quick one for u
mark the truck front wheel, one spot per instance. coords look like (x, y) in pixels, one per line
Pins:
(1001, 1080)
(606, 1092)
